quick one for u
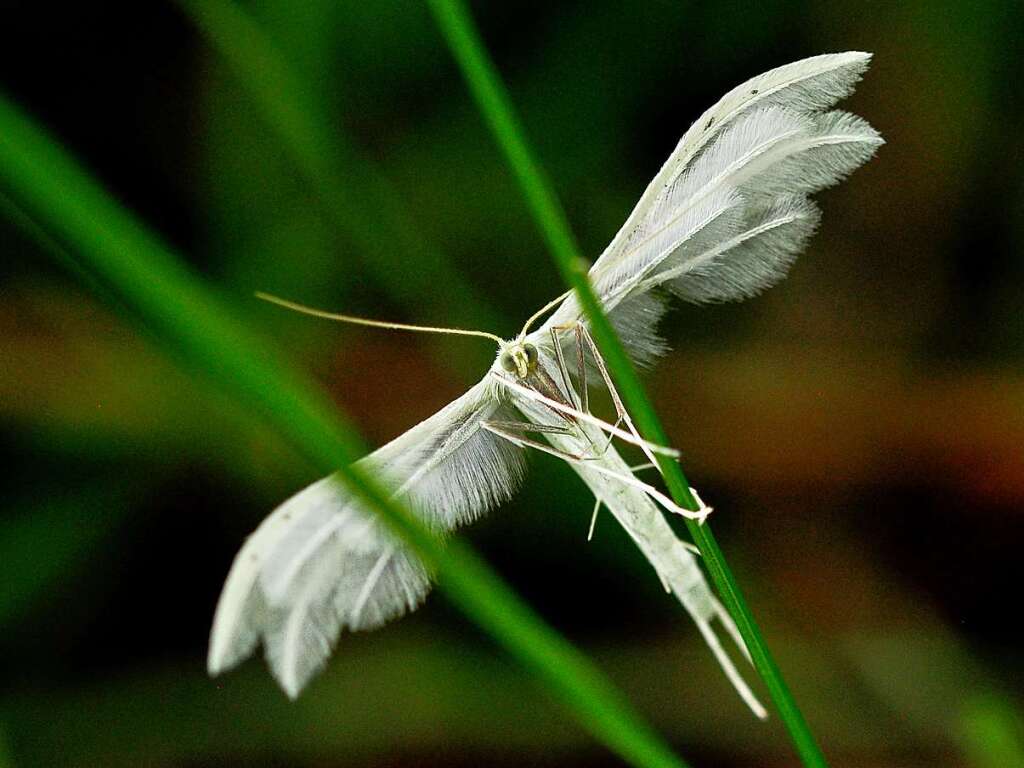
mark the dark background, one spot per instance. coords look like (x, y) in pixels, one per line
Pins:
(858, 429)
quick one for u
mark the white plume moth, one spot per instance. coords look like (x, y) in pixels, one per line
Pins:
(723, 219)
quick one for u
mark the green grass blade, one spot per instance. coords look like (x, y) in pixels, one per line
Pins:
(198, 327)
(351, 190)
(991, 732)
(45, 540)
(495, 104)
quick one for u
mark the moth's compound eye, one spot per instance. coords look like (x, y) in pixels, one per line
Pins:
(531, 354)
(506, 361)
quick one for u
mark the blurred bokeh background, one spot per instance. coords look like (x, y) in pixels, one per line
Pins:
(859, 428)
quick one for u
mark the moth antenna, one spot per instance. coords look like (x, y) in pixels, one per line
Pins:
(550, 305)
(354, 320)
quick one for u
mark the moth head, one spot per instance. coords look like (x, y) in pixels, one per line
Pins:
(518, 358)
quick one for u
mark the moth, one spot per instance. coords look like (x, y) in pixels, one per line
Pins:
(722, 220)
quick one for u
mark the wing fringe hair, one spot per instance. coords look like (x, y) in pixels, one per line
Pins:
(322, 562)
(729, 211)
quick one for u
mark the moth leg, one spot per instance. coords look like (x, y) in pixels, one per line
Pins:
(560, 360)
(634, 468)
(584, 395)
(537, 397)
(529, 426)
(584, 340)
(602, 450)
(593, 519)
(626, 478)
(727, 620)
(581, 365)
(703, 510)
(598, 503)
(508, 430)
(620, 409)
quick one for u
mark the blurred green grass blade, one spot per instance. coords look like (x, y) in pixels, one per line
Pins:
(352, 191)
(495, 104)
(196, 325)
(10, 211)
(44, 539)
(991, 732)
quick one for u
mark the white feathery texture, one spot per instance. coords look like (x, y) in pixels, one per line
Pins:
(757, 256)
(728, 212)
(806, 86)
(321, 562)
(635, 320)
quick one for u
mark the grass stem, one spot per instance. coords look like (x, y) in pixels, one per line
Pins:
(495, 104)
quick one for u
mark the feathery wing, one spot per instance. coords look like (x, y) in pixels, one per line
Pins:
(729, 211)
(322, 561)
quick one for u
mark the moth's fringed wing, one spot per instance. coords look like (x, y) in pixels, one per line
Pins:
(322, 562)
(728, 212)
